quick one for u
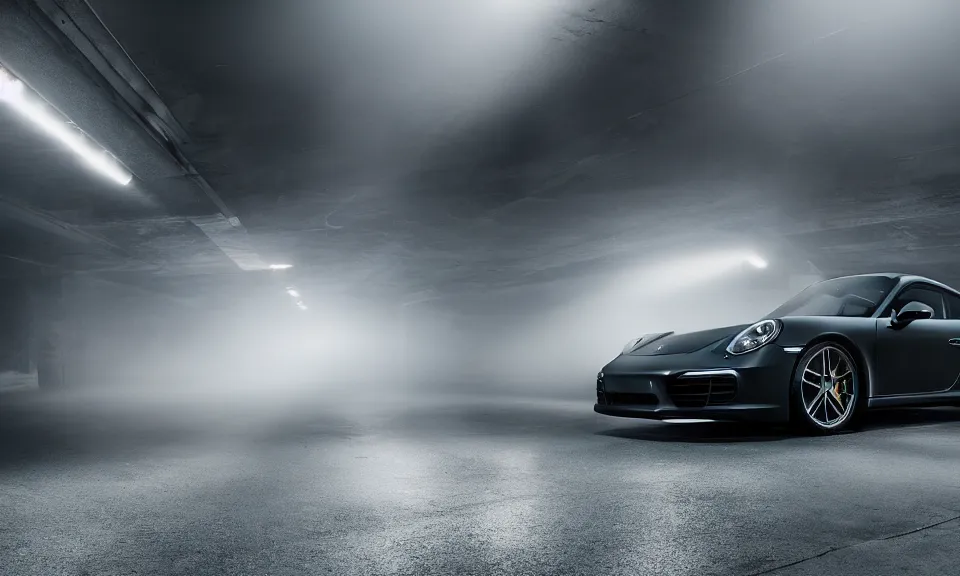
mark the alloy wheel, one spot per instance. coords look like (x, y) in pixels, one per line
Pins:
(828, 387)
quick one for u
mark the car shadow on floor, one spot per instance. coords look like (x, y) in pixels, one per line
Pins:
(910, 417)
(734, 432)
(700, 433)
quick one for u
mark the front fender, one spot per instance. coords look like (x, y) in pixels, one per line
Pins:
(860, 333)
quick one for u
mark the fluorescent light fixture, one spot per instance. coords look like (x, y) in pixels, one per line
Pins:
(14, 93)
(280, 266)
(293, 292)
(756, 261)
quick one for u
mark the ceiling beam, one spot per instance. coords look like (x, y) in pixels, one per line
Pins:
(37, 53)
(81, 26)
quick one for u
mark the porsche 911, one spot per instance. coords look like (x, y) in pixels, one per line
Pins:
(819, 361)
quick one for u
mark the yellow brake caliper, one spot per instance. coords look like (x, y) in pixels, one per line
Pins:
(836, 391)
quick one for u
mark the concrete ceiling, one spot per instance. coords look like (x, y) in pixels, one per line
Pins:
(425, 151)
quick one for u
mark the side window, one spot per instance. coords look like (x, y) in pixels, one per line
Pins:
(930, 296)
(953, 306)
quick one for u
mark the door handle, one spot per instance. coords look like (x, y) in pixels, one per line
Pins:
(954, 341)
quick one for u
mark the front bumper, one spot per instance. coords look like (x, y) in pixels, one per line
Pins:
(741, 412)
(706, 384)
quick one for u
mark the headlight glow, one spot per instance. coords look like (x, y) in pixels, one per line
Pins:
(757, 335)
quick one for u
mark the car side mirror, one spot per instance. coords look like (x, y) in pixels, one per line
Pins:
(910, 312)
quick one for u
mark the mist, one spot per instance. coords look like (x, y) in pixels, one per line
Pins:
(245, 356)
(242, 356)
(347, 315)
(553, 351)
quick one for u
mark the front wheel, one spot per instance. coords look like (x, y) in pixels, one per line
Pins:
(826, 392)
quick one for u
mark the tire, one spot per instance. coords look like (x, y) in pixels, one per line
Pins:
(828, 401)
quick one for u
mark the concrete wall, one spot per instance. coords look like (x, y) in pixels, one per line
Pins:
(114, 333)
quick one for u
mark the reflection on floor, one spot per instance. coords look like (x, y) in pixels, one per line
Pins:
(463, 487)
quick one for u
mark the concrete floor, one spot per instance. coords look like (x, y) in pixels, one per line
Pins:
(496, 487)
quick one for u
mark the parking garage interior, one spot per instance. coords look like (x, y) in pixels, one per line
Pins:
(319, 287)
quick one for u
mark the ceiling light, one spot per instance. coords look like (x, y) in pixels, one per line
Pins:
(301, 305)
(293, 292)
(695, 268)
(15, 94)
(280, 266)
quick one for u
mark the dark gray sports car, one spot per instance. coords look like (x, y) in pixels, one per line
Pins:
(820, 360)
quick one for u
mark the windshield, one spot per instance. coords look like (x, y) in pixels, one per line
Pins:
(855, 296)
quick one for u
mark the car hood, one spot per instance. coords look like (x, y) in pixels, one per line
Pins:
(689, 342)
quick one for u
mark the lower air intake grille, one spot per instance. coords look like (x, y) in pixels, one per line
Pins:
(625, 399)
(700, 391)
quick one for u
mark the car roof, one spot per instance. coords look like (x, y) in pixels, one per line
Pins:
(882, 274)
(905, 278)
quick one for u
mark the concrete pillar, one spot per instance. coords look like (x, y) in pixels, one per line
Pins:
(46, 298)
(14, 328)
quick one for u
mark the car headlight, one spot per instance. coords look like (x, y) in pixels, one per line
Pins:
(763, 332)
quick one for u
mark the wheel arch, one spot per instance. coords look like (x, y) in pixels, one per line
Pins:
(863, 367)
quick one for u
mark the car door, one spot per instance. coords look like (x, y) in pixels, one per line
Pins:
(952, 300)
(924, 356)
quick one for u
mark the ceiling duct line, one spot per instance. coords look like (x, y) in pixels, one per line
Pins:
(74, 24)
(82, 27)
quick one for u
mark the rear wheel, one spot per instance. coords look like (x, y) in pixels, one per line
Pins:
(827, 395)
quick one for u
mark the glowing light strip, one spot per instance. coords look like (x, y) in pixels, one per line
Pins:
(756, 261)
(13, 92)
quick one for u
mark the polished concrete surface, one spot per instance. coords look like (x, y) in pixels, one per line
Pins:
(464, 486)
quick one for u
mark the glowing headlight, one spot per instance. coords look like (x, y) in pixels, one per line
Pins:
(763, 332)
